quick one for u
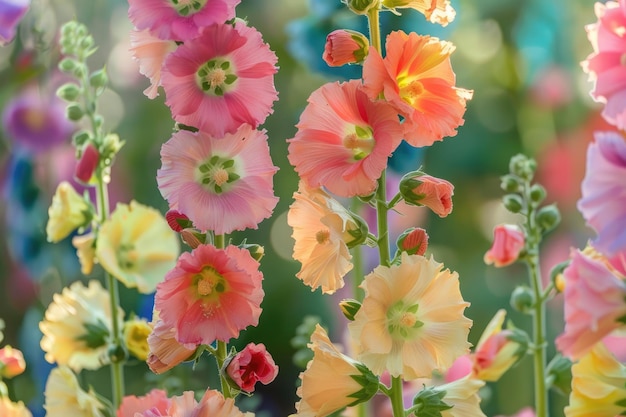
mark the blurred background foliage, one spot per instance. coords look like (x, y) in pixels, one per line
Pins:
(521, 58)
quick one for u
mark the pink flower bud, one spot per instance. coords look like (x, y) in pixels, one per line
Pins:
(508, 242)
(414, 241)
(345, 47)
(177, 220)
(11, 362)
(87, 163)
(420, 189)
(252, 364)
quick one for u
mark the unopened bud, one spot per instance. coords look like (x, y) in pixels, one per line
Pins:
(413, 241)
(99, 78)
(357, 231)
(548, 218)
(11, 362)
(431, 402)
(177, 220)
(68, 65)
(74, 112)
(68, 92)
(87, 163)
(537, 194)
(419, 189)
(556, 275)
(362, 6)
(349, 307)
(522, 166)
(513, 203)
(345, 46)
(559, 373)
(256, 251)
(192, 237)
(510, 183)
(522, 299)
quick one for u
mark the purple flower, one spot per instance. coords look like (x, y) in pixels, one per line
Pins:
(11, 12)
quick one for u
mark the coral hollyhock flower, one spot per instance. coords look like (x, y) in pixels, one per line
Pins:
(77, 326)
(68, 212)
(150, 52)
(598, 385)
(417, 79)
(344, 139)
(11, 362)
(411, 320)
(179, 20)
(11, 13)
(212, 404)
(332, 380)
(595, 304)
(603, 202)
(221, 79)
(436, 11)
(155, 400)
(251, 365)
(508, 242)
(165, 351)
(344, 46)
(137, 246)
(64, 396)
(221, 184)
(11, 409)
(211, 294)
(420, 189)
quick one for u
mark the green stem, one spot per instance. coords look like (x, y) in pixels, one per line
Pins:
(222, 347)
(374, 27)
(396, 397)
(357, 261)
(381, 218)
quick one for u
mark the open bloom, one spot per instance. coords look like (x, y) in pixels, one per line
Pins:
(65, 397)
(436, 11)
(425, 190)
(77, 326)
(68, 212)
(251, 365)
(179, 20)
(11, 409)
(212, 404)
(220, 184)
(150, 52)
(598, 385)
(508, 242)
(344, 139)
(411, 320)
(221, 79)
(137, 246)
(165, 351)
(156, 400)
(11, 12)
(211, 294)
(417, 79)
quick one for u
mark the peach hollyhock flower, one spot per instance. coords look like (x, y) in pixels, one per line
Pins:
(11, 409)
(165, 351)
(344, 46)
(150, 52)
(212, 404)
(595, 304)
(155, 400)
(11, 362)
(179, 20)
(136, 332)
(332, 380)
(68, 212)
(64, 397)
(86, 251)
(344, 139)
(211, 294)
(598, 385)
(417, 79)
(436, 11)
(508, 243)
(77, 326)
(137, 246)
(419, 189)
(221, 184)
(220, 80)
(251, 365)
(411, 320)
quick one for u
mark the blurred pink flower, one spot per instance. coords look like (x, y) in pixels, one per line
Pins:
(211, 294)
(155, 400)
(220, 184)
(221, 79)
(525, 412)
(11, 13)
(251, 365)
(508, 242)
(461, 367)
(344, 139)
(150, 52)
(552, 87)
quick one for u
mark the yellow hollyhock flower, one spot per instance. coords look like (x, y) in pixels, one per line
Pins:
(137, 246)
(462, 395)
(598, 385)
(68, 212)
(136, 332)
(411, 320)
(77, 326)
(64, 397)
(11, 409)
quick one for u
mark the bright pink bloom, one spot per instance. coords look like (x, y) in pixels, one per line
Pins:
(461, 367)
(344, 139)
(212, 404)
(603, 202)
(253, 364)
(150, 52)
(595, 301)
(508, 242)
(605, 64)
(416, 77)
(154, 400)
(211, 294)
(87, 164)
(165, 351)
(181, 20)
(345, 46)
(221, 79)
(221, 184)
(11, 13)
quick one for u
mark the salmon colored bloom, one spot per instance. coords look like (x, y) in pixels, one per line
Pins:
(179, 20)
(211, 294)
(220, 80)
(344, 139)
(508, 242)
(420, 189)
(155, 400)
(68, 212)
(11, 362)
(11, 409)
(150, 52)
(595, 304)
(64, 396)
(411, 320)
(165, 351)
(251, 365)
(417, 79)
(344, 46)
(436, 11)
(212, 404)
(598, 385)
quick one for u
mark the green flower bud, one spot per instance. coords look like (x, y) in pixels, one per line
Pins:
(358, 233)
(111, 145)
(74, 112)
(513, 203)
(362, 6)
(68, 92)
(548, 218)
(522, 166)
(99, 78)
(537, 194)
(430, 401)
(349, 307)
(68, 65)
(80, 138)
(117, 353)
(510, 183)
(522, 299)
(560, 375)
(556, 275)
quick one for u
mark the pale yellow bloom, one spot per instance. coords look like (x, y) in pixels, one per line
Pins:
(64, 397)
(86, 251)
(436, 11)
(462, 395)
(77, 327)
(598, 384)
(68, 212)
(411, 320)
(328, 383)
(137, 246)
(11, 409)
(136, 332)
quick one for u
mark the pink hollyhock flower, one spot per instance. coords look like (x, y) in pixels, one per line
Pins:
(344, 46)
(150, 52)
(595, 304)
(211, 294)
(11, 13)
(603, 202)
(212, 404)
(165, 351)
(251, 365)
(221, 79)
(155, 400)
(604, 65)
(419, 189)
(220, 184)
(344, 139)
(416, 77)
(179, 20)
(508, 242)
(461, 367)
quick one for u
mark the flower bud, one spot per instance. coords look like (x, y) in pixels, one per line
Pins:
(68, 65)
(556, 275)
(559, 373)
(11, 362)
(349, 307)
(87, 164)
(68, 92)
(430, 400)
(68, 212)
(177, 220)
(111, 145)
(420, 189)
(345, 46)
(510, 183)
(99, 78)
(548, 218)
(74, 112)
(522, 299)
(253, 364)
(80, 138)
(513, 203)
(413, 241)
(192, 237)
(508, 243)
(537, 194)
(356, 231)
(362, 6)
(523, 167)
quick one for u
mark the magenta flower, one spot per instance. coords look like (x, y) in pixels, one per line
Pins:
(11, 12)
(603, 202)
(219, 184)
(251, 365)
(344, 139)
(221, 79)
(211, 294)
(179, 20)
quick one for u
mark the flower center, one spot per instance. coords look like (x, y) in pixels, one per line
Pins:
(402, 321)
(35, 119)
(216, 77)
(411, 92)
(127, 256)
(187, 7)
(209, 283)
(217, 174)
(360, 142)
(322, 236)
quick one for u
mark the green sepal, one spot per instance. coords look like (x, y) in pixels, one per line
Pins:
(368, 381)
(430, 402)
(97, 334)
